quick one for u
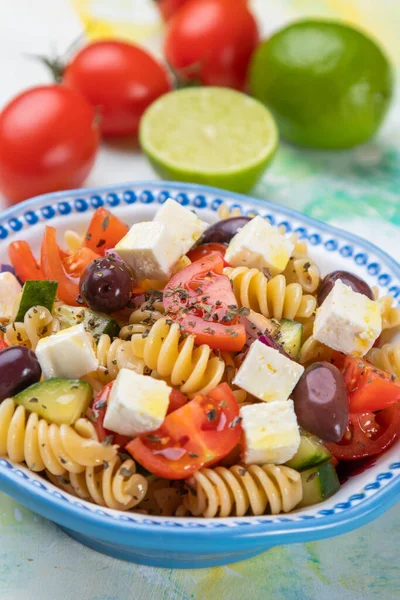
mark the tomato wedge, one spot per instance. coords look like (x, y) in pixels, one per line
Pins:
(54, 269)
(206, 249)
(3, 344)
(368, 434)
(104, 232)
(200, 433)
(77, 262)
(176, 400)
(369, 389)
(201, 300)
(98, 411)
(23, 261)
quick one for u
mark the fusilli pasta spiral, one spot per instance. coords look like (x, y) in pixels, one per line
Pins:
(386, 358)
(312, 350)
(38, 323)
(147, 314)
(301, 268)
(72, 240)
(117, 354)
(57, 448)
(163, 497)
(115, 484)
(272, 298)
(224, 212)
(192, 369)
(390, 314)
(239, 490)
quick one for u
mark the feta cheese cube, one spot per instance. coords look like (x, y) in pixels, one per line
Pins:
(348, 321)
(185, 226)
(150, 250)
(261, 246)
(9, 290)
(67, 354)
(267, 374)
(137, 404)
(271, 433)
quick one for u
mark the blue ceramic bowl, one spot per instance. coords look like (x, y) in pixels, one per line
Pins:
(192, 542)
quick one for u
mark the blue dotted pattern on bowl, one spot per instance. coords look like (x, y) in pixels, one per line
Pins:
(380, 481)
(199, 201)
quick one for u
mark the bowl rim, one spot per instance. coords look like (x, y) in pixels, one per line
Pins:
(13, 211)
(250, 530)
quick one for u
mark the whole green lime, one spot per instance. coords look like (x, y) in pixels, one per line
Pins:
(328, 84)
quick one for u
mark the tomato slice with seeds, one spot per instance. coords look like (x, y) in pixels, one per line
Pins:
(201, 300)
(77, 262)
(198, 434)
(368, 434)
(369, 389)
(206, 249)
(104, 232)
(25, 264)
(176, 400)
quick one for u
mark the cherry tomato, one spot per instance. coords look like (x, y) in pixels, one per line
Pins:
(77, 262)
(368, 434)
(98, 409)
(54, 269)
(196, 435)
(206, 249)
(104, 232)
(48, 142)
(212, 41)
(119, 78)
(23, 261)
(176, 400)
(168, 8)
(201, 300)
(369, 389)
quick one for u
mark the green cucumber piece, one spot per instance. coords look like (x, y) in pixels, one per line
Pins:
(319, 483)
(94, 323)
(289, 336)
(59, 401)
(36, 293)
(311, 452)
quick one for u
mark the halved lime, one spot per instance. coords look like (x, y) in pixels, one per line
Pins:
(210, 135)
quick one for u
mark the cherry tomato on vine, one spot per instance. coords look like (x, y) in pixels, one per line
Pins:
(48, 142)
(169, 7)
(212, 41)
(120, 79)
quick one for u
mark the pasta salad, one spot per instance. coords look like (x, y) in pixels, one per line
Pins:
(181, 368)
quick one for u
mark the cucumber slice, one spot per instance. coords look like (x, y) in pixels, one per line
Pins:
(319, 483)
(311, 452)
(94, 323)
(289, 336)
(36, 293)
(60, 401)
